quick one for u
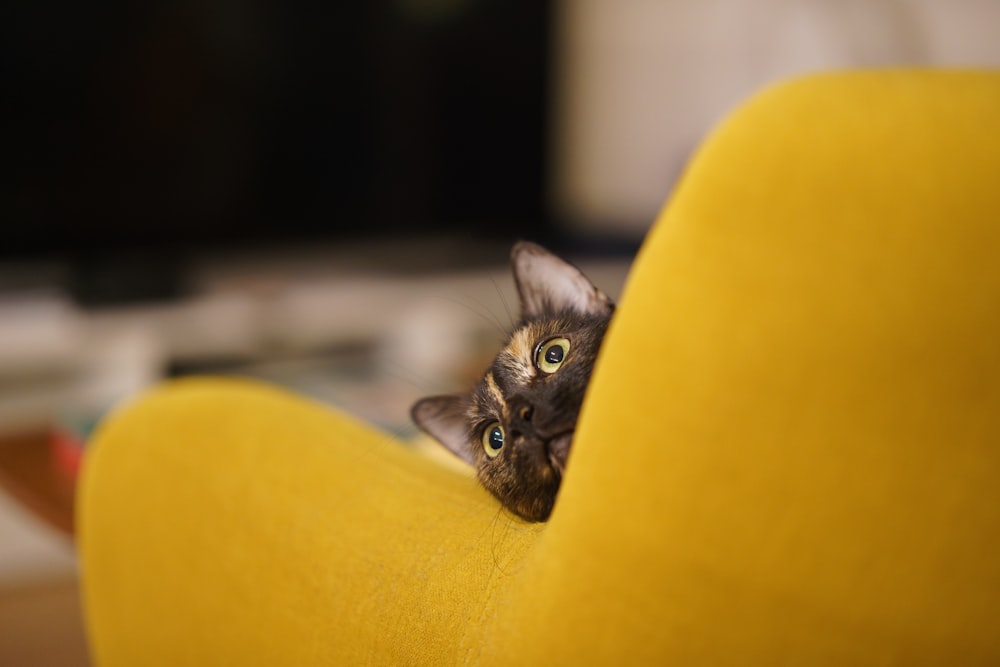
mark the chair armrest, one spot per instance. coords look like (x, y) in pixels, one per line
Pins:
(228, 522)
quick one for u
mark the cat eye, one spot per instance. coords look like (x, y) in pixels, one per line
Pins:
(551, 354)
(493, 439)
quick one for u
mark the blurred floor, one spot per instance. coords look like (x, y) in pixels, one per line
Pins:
(41, 625)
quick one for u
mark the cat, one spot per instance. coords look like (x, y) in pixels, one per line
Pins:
(516, 426)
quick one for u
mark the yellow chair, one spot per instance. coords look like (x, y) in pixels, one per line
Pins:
(789, 454)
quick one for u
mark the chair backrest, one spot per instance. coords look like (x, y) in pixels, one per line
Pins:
(791, 447)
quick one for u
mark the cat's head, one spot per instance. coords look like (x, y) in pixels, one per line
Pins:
(517, 424)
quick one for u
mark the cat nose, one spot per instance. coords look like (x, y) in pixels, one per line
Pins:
(521, 413)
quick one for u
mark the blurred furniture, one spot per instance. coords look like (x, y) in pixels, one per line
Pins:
(788, 453)
(30, 473)
(41, 621)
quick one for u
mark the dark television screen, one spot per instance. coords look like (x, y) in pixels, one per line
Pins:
(161, 125)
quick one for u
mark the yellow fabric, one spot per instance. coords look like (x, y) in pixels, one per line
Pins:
(788, 455)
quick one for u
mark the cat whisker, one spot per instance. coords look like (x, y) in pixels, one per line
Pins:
(490, 319)
(494, 542)
(503, 300)
(397, 371)
(504, 332)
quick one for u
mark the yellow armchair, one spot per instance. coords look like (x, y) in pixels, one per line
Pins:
(789, 453)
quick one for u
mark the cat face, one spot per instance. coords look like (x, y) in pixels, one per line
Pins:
(516, 426)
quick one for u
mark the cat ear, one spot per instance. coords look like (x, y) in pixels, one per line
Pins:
(548, 285)
(443, 418)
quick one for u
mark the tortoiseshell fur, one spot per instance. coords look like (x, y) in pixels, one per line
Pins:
(538, 411)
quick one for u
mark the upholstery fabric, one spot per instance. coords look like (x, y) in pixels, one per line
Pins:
(788, 453)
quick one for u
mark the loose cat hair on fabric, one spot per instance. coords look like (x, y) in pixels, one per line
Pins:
(516, 426)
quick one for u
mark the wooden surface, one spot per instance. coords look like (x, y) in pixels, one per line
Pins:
(41, 624)
(28, 473)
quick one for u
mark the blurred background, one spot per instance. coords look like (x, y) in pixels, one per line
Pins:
(324, 195)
